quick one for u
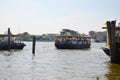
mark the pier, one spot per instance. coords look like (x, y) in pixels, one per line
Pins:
(113, 41)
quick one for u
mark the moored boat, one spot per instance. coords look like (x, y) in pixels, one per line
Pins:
(13, 45)
(8, 42)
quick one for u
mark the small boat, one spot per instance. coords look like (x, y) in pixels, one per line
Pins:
(8, 43)
(72, 42)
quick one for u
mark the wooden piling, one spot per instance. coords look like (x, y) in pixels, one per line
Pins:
(9, 41)
(33, 46)
(113, 43)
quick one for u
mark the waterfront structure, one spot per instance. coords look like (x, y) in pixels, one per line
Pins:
(98, 36)
(113, 41)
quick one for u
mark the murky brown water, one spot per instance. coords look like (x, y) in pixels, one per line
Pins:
(50, 63)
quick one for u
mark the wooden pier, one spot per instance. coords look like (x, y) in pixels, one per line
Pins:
(113, 41)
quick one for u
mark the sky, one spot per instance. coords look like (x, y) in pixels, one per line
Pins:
(51, 16)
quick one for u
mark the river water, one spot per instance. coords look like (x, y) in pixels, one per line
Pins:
(50, 63)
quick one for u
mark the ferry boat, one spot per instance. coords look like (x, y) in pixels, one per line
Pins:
(72, 42)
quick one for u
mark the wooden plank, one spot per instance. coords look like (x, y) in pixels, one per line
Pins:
(117, 27)
(108, 34)
(5, 35)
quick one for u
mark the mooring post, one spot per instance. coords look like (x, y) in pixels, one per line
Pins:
(9, 43)
(33, 46)
(113, 43)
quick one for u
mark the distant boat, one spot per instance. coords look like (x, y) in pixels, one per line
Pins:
(72, 42)
(7, 44)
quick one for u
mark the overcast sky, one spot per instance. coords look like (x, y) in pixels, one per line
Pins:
(50, 16)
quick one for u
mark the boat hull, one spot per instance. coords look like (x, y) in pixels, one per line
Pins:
(106, 50)
(72, 46)
(4, 46)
